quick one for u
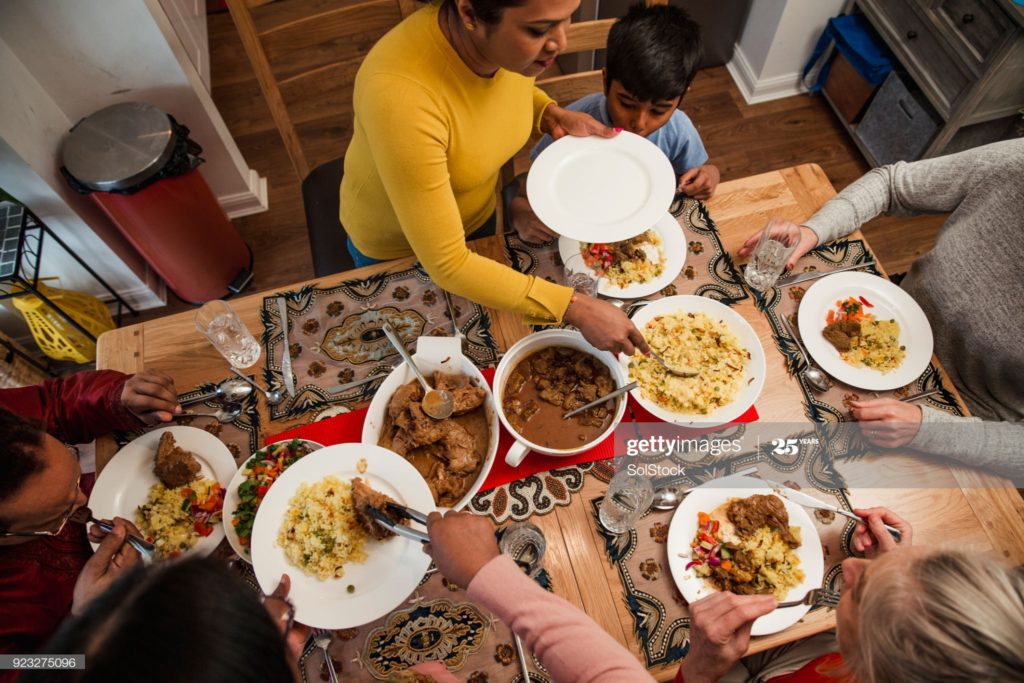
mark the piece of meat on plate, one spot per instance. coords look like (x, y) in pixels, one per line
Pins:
(466, 396)
(174, 466)
(363, 497)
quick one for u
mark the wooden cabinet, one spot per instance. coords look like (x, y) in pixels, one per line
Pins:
(967, 59)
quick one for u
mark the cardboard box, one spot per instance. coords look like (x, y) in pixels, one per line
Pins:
(847, 89)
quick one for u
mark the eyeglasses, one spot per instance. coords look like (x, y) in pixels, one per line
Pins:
(65, 517)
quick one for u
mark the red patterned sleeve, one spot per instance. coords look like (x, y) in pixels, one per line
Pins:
(77, 409)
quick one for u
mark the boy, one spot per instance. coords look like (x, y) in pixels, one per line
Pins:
(651, 57)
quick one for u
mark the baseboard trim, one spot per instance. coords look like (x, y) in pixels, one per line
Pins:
(755, 91)
(247, 203)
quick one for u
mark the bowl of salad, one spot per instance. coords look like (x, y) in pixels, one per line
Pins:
(250, 485)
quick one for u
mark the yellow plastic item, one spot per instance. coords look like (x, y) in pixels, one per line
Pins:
(56, 336)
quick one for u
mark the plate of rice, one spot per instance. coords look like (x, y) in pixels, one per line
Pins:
(709, 337)
(635, 268)
(181, 520)
(892, 341)
(306, 527)
(702, 539)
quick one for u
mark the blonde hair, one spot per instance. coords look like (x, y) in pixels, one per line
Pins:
(943, 615)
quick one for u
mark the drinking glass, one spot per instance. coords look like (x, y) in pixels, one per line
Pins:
(579, 276)
(777, 243)
(524, 542)
(629, 496)
(229, 335)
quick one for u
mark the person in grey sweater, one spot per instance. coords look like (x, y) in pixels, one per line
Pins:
(971, 288)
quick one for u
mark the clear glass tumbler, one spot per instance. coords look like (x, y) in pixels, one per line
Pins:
(229, 335)
(579, 276)
(629, 496)
(526, 544)
(777, 243)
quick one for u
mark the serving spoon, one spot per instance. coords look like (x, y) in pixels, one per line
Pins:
(677, 370)
(230, 390)
(273, 397)
(437, 403)
(815, 378)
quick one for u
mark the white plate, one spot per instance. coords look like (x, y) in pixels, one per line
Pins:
(754, 370)
(231, 501)
(708, 497)
(124, 483)
(889, 302)
(673, 245)
(433, 354)
(394, 566)
(601, 189)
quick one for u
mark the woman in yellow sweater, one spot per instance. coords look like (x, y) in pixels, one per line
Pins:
(441, 103)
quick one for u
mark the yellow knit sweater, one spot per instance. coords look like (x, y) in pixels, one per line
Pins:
(429, 139)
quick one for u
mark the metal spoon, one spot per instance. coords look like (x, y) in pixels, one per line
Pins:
(230, 391)
(669, 497)
(437, 403)
(814, 377)
(273, 397)
(676, 370)
(226, 413)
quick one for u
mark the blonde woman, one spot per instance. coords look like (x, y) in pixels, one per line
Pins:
(907, 615)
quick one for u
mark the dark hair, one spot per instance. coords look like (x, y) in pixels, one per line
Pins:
(653, 52)
(192, 620)
(21, 439)
(488, 11)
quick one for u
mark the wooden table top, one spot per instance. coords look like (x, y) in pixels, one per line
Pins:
(969, 502)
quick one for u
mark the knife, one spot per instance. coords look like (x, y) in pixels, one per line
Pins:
(807, 501)
(286, 354)
(815, 274)
(339, 388)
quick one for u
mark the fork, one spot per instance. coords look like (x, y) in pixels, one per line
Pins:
(322, 639)
(815, 596)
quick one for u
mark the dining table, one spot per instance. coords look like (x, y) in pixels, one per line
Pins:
(960, 506)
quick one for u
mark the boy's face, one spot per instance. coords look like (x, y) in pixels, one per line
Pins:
(637, 116)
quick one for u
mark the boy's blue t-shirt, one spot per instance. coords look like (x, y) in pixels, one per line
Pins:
(678, 138)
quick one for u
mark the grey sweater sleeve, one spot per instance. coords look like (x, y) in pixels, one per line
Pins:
(928, 186)
(993, 445)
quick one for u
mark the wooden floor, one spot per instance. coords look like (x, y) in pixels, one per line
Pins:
(741, 140)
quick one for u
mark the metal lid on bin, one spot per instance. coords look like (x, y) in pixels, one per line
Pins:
(119, 146)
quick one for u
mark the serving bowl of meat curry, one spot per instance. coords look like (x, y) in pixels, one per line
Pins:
(547, 374)
(454, 455)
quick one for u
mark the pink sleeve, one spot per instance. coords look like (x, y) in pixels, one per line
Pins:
(568, 642)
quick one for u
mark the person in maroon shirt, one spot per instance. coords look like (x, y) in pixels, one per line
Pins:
(47, 567)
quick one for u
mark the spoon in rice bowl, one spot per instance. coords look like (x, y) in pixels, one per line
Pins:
(678, 371)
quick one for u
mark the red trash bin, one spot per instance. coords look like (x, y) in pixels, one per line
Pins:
(139, 165)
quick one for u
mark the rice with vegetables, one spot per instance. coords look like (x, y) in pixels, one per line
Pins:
(861, 339)
(320, 532)
(691, 340)
(174, 519)
(633, 261)
(746, 546)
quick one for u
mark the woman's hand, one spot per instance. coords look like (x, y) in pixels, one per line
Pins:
(808, 241)
(873, 539)
(605, 326)
(558, 122)
(720, 633)
(699, 182)
(887, 422)
(530, 228)
(461, 544)
(114, 558)
(150, 396)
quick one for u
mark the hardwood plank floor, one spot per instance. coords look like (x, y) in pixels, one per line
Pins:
(741, 139)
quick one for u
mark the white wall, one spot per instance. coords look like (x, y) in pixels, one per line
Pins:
(776, 43)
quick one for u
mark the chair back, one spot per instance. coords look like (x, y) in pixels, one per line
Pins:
(306, 66)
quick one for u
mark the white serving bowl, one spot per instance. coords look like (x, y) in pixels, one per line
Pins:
(535, 342)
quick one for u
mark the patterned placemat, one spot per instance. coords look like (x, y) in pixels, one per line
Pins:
(661, 621)
(834, 405)
(436, 623)
(335, 335)
(709, 270)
